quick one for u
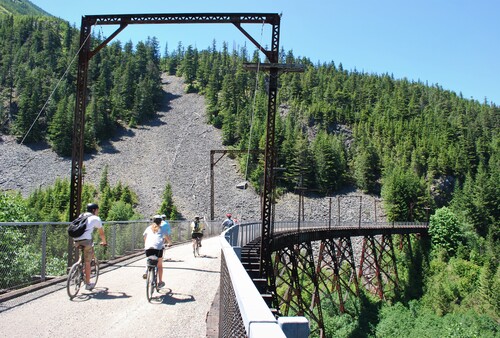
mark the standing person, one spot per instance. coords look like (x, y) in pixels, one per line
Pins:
(196, 231)
(85, 240)
(167, 230)
(153, 245)
(228, 222)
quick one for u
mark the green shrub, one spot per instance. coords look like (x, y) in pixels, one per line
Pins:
(445, 231)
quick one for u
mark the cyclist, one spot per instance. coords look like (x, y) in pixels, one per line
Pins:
(85, 240)
(167, 230)
(196, 231)
(154, 239)
(228, 222)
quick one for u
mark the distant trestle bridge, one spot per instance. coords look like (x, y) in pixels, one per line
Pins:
(315, 263)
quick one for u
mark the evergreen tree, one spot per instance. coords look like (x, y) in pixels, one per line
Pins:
(167, 205)
(403, 195)
(331, 164)
(60, 131)
(103, 183)
(366, 169)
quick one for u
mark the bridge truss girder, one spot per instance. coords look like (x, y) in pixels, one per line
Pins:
(377, 268)
(123, 20)
(306, 277)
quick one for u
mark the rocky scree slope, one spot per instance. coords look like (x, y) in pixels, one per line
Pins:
(174, 147)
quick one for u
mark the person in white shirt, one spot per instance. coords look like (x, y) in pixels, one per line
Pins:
(85, 240)
(154, 240)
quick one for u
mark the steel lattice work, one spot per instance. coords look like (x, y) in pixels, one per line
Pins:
(297, 282)
(311, 272)
(377, 268)
(336, 270)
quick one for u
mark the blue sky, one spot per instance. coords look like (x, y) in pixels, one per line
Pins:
(452, 43)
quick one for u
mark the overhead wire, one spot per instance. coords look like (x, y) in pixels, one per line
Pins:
(253, 103)
(54, 90)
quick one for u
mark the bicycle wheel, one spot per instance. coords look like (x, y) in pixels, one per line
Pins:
(150, 283)
(94, 270)
(197, 246)
(75, 279)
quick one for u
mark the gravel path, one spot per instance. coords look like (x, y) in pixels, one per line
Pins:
(174, 147)
(118, 307)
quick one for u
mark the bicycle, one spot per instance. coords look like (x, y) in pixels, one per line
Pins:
(196, 250)
(152, 277)
(76, 274)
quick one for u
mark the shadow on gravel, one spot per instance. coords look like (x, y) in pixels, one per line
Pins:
(107, 146)
(167, 98)
(190, 269)
(37, 146)
(171, 298)
(207, 256)
(100, 293)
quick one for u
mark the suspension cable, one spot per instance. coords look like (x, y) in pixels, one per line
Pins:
(253, 103)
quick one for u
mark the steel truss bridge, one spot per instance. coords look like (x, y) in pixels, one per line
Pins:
(314, 264)
(311, 264)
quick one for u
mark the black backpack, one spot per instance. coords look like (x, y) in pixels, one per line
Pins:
(78, 225)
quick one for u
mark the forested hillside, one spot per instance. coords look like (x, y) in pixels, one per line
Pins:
(418, 145)
(430, 153)
(37, 57)
(20, 7)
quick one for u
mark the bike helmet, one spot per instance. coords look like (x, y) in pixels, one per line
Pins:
(196, 217)
(91, 207)
(228, 215)
(157, 219)
(163, 216)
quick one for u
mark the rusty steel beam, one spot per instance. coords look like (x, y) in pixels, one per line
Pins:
(78, 131)
(192, 18)
(295, 273)
(377, 267)
(85, 54)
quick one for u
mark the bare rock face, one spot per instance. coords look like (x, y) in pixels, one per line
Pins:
(173, 148)
(442, 189)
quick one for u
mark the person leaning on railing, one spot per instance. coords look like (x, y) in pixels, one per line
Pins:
(228, 222)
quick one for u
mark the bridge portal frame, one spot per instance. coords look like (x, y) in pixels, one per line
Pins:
(123, 20)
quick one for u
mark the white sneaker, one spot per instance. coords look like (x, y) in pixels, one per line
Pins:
(89, 286)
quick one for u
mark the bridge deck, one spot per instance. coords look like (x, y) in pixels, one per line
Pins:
(118, 306)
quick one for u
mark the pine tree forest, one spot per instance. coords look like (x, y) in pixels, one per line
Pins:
(431, 154)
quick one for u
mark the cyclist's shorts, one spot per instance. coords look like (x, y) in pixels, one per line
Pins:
(196, 235)
(88, 251)
(154, 252)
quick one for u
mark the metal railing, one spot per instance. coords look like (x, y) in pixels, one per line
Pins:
(33, 252)
(243, 311)
(249, 232)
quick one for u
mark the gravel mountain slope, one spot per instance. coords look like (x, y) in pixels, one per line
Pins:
(175, 148)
